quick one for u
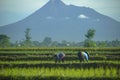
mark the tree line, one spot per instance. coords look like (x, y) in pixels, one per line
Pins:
(48, 42)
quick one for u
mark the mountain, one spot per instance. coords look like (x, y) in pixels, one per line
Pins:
(64, 22)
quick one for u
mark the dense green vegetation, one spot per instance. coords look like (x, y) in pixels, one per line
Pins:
(48, 42)
(38, 64)
(32, 73)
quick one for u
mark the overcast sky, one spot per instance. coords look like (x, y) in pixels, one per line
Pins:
(14, 10)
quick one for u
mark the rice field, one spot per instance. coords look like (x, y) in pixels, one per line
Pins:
(38, 64)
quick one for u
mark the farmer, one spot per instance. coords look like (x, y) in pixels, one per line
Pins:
(59, 57)
(83, 55)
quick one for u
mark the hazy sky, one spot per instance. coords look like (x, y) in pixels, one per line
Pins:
(14, 10)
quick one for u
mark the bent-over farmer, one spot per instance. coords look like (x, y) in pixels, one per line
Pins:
(59, 57)
(83, 55)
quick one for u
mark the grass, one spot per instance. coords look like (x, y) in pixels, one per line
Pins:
(38, 64)
(60, 72)
(66, 62)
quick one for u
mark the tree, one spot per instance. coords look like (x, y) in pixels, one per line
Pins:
(55, 43)
(4, 41)
(36, 43)
(65, 43)
(27, 41)
(47, 41)
(90, 34)
(101, 43)
(89, 42)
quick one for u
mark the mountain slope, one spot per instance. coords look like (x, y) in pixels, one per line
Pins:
(64, 22)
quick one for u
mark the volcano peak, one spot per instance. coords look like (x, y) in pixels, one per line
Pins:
(56, 1)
